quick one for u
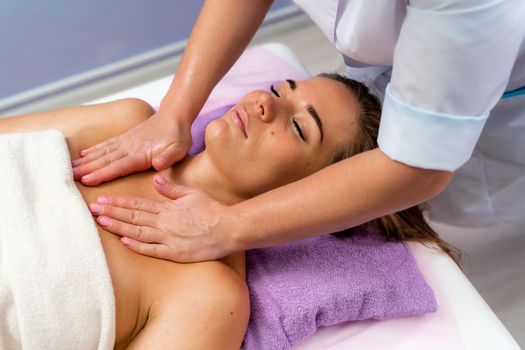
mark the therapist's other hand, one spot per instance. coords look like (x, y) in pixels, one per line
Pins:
(183, 228)
(159, 141)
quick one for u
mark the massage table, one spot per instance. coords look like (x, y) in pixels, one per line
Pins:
(463, 319)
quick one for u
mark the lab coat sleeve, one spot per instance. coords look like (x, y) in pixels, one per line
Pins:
(451, 65)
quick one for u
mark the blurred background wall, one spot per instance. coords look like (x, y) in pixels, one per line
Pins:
(47, 47)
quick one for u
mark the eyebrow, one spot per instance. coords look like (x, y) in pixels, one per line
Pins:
(311, 110)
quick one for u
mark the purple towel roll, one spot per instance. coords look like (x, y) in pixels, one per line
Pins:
(198, 128)
(297, 288)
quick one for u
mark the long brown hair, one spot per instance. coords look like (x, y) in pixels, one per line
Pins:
(405, 225)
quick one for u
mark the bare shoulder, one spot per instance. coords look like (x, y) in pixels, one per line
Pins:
(83, 126)
(93, 124)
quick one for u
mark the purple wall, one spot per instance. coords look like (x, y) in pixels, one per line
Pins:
(45, 41)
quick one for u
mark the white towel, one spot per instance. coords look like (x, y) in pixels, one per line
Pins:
(55, 287)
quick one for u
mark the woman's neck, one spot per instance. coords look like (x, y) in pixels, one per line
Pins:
(200, 173)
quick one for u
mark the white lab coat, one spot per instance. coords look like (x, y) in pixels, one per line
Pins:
(443, 66)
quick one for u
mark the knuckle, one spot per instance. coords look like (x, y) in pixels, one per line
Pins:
(135, 203)
(143, 156)
(135, 216)
(154, 250)
(141, 233)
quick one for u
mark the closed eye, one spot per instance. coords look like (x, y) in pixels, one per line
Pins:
(274, 91)
(298, 128)
(296, 124)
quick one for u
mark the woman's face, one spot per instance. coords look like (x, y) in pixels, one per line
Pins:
(270, 139)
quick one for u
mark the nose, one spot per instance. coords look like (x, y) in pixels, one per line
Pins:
(266, 107)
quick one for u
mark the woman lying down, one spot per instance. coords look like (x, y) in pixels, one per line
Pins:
(63, 287)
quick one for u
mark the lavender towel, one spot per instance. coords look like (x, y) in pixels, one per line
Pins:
(198, 128)
(299, 287)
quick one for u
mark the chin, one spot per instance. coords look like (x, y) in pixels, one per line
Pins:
(217, 135)
(217, 130)
(221, 148)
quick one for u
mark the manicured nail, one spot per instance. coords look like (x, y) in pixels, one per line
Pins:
(103, 200)
(95, 208)
(160, 180)
(126, 241)
(103, 221)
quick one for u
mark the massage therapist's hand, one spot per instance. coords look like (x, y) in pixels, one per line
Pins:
(161, 140)
(170, 230)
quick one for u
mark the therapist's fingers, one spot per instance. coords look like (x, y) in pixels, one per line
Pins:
(131, 216)
(139, 233)
(129, 202)
(96, 164)
(98, 146)
(116, 168)
(96, 154)
(159, 251)
(169, 189)
(173, 153)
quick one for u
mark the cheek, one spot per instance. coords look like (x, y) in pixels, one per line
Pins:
(278, 161)
(274, 159)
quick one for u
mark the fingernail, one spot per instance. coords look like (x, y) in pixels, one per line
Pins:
(160, 180)
(75, 162)
(87, 177)
(95, 208)
(126, 241)
(103, 221)
(103, 200)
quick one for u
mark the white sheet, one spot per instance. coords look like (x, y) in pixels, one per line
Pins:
(55, 287)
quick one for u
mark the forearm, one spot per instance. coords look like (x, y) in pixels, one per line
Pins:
(346, 194)
(222, 31)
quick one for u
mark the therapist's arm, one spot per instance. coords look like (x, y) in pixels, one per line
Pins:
(343, 195)
(346, 194)
(221, 33)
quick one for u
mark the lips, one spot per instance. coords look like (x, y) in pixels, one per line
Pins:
(240, 117)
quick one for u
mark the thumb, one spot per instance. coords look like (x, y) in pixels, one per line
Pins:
(173, 153)
(169, 189)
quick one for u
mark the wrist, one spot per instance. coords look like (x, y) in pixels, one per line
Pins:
(233, 229)
(173, 118)
(182, 108)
